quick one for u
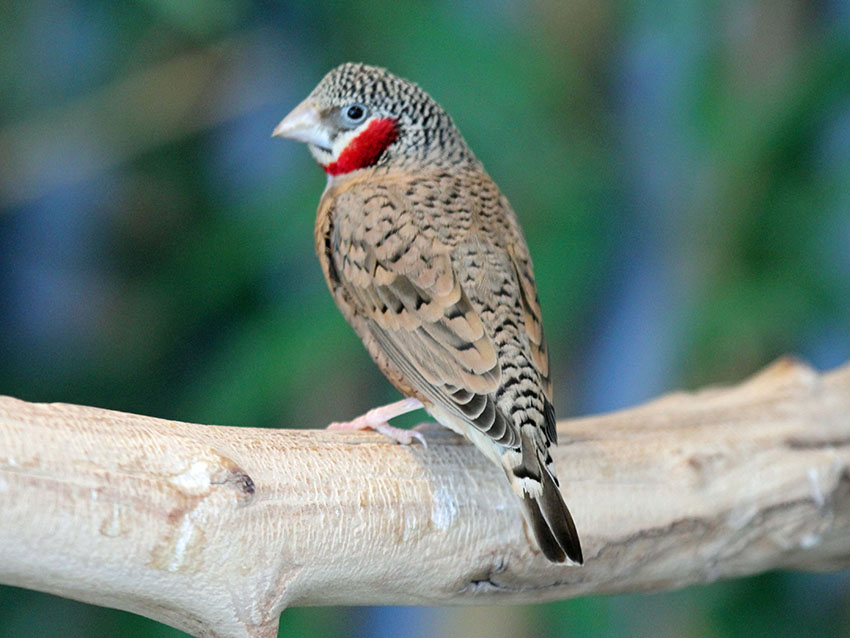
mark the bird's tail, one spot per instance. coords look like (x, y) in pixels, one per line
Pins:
(552, 523)
(546, 512)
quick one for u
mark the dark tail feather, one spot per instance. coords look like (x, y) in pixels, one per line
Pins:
(552, 523)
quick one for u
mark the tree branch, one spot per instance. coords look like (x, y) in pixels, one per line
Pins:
(215, 530)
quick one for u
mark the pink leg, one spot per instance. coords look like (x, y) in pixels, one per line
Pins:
(376, 419)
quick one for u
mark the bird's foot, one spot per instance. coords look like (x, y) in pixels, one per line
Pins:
(377, 419)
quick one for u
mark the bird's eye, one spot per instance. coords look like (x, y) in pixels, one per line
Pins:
(354, 113)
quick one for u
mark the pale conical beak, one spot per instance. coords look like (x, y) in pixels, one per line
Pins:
(304, 124)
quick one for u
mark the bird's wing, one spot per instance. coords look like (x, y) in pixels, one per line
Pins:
(403, 282)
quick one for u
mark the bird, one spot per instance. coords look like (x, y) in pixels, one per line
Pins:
(425, 258)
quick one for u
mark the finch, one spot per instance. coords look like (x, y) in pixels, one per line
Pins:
(426, 260)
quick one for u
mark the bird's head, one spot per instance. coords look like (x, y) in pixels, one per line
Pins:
(361, 116)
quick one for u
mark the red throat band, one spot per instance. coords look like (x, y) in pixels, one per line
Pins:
(365, 149)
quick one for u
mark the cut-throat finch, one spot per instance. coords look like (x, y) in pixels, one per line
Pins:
(425, 258)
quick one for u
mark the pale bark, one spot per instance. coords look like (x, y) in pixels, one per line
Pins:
(216, 530)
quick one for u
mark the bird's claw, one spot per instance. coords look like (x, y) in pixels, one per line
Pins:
(399, 435)
(404, 437)
(376, 419)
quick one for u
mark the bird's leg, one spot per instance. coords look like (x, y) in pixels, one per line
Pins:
(376, 419)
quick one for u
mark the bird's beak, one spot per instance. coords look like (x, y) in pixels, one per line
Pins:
(304, 124)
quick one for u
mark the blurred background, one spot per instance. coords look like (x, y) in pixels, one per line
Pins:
(682, 172)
